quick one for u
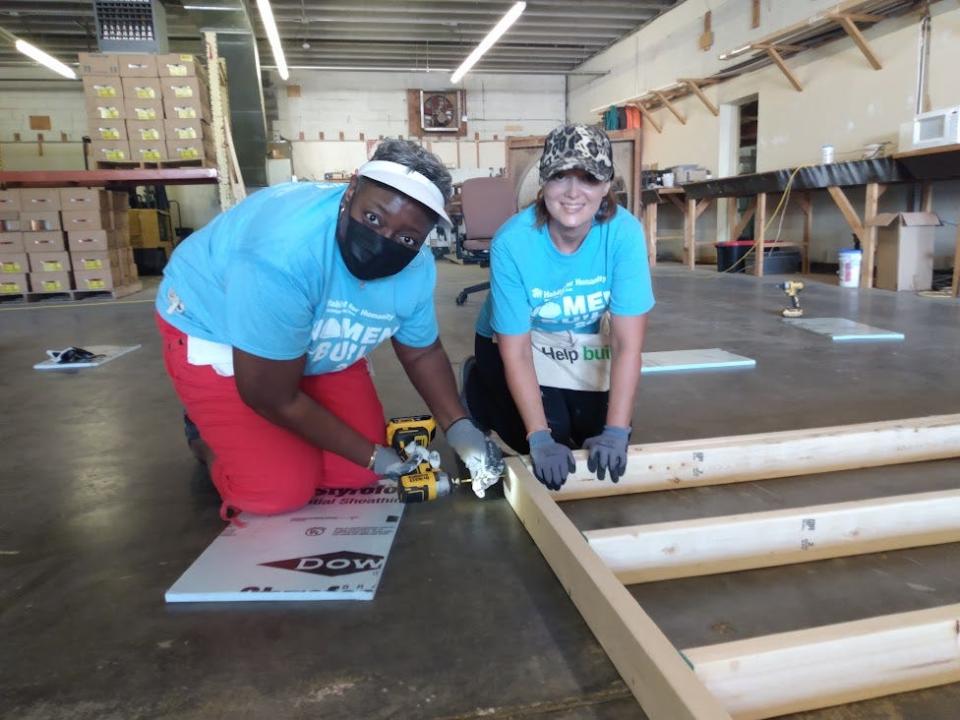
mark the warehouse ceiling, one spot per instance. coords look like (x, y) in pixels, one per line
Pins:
(552, 36)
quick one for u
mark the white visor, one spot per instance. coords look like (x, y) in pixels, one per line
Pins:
(409, 182)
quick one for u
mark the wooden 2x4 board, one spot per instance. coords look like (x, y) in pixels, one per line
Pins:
(777, 674)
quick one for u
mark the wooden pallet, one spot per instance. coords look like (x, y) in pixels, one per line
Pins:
(71, 295)
(776, 674)
(140, 165)
(117, 292)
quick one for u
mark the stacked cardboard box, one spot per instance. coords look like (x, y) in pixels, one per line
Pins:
(98, 237)
(57, 239)
(14, 264)
(147, 108)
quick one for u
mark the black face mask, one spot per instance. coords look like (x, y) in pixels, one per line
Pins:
(369, 256)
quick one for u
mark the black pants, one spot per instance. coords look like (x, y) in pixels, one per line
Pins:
(573, 415)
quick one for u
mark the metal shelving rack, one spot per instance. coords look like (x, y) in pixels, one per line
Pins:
(226, 175)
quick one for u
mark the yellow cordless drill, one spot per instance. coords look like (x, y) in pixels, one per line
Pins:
(792, 288)
(426, 482)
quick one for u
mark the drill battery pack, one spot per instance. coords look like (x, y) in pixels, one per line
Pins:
(403, 431)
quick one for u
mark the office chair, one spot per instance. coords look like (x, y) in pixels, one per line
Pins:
(487, 203)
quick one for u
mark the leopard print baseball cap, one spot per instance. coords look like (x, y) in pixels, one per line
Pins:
(580, 147)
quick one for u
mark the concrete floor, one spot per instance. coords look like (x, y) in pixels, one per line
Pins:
(102, 508)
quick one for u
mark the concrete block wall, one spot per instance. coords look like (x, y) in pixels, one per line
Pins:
(375, 104)
(25, 92)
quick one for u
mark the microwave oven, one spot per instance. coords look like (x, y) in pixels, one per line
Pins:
(932, 129)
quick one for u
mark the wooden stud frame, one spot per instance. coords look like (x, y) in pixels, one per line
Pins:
(775, 674)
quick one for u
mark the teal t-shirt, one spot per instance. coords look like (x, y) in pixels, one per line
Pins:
(535, 286)
(267, 277)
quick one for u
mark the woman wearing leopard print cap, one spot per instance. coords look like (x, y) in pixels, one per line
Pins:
(559, 339)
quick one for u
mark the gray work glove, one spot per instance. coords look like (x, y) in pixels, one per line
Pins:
(387, 463)
(478, 452)
(608, 451)
(552, 462)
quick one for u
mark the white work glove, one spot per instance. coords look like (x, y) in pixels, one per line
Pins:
(387, 463)
(478, 452)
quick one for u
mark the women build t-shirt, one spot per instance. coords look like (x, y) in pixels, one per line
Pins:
(267, 277)
(535, 286)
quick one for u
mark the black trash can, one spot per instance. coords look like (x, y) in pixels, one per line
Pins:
(731, 253)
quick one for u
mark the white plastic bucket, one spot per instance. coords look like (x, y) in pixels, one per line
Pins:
(850, 268)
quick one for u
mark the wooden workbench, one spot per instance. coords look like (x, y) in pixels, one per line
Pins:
(920, 166)
(691, 209)
(874, 175)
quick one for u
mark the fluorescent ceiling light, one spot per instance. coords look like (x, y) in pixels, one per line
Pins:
(270, 25)
(737, 51)
(35, 53)
(499, 29)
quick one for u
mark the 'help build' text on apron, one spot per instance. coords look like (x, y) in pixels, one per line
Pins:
(572, 361)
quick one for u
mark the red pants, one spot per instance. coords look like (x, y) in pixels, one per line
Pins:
(258, 466)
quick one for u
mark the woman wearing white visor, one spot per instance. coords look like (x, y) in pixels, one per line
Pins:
(269, 312)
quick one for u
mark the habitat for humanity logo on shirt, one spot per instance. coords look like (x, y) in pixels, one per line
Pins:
(575, 304)
(343, 333)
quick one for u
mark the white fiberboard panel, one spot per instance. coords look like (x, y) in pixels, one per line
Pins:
(705, 359)
(842, 329)
(335, 548)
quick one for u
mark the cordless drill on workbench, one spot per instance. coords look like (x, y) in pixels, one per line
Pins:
(427, 482)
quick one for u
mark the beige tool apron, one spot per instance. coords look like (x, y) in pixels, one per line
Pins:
(573, 361)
